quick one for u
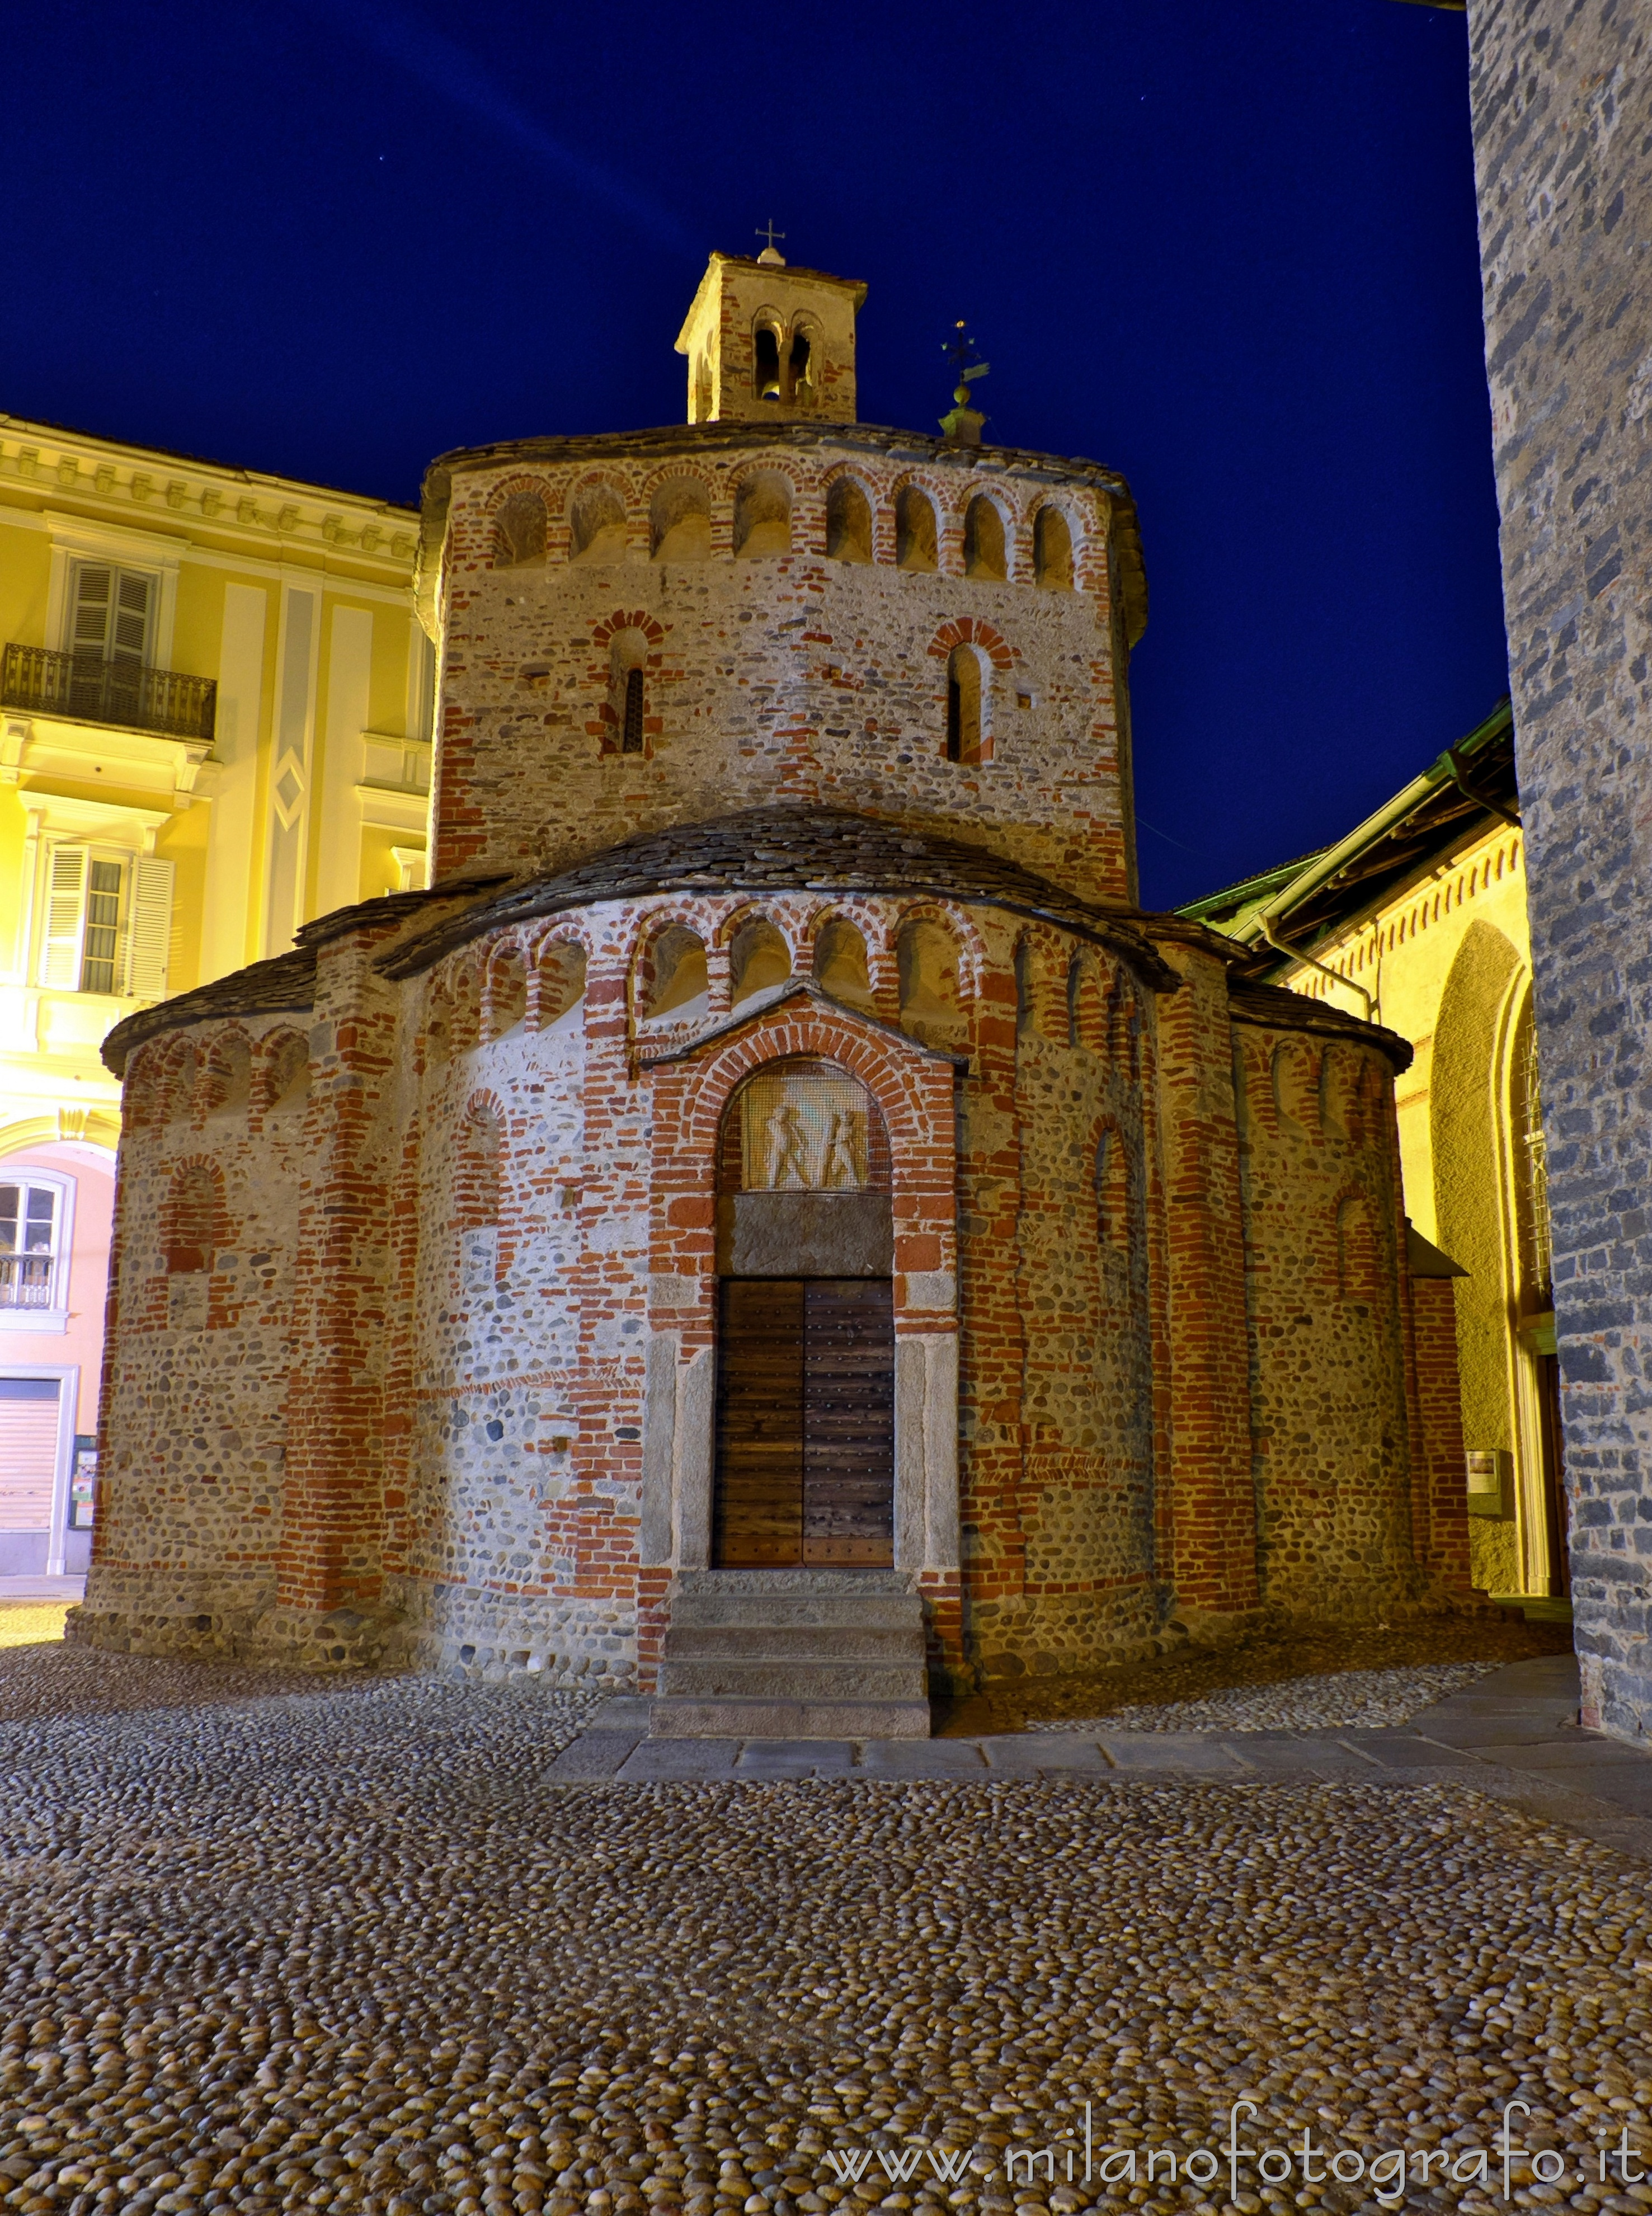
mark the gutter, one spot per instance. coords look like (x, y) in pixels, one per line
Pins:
(1446, 769)
(1296, 954)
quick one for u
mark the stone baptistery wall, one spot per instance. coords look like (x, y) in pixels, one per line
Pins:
(782, 749)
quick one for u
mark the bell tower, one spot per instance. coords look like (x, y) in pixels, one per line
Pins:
(767, 343)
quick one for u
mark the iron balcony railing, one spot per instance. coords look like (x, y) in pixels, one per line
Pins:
(94, 691)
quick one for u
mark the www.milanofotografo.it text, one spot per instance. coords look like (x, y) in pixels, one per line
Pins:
(1391, 2171)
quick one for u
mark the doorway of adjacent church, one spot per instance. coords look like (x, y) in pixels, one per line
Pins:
(805, 1424)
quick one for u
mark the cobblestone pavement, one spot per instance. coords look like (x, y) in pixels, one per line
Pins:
(1320, 1703)
(393, 1946)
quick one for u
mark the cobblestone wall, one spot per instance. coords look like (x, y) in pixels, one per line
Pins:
(1562, 119)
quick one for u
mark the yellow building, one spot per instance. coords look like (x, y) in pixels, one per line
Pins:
(1418, 920)
(214, 724)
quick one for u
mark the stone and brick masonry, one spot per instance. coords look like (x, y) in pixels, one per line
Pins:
(769, 742)
(1563, 121)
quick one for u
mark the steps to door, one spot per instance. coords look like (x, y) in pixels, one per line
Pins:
(792, 1654)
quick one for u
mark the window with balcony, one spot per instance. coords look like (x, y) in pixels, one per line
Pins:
(107, 923)
(32, 1260)
(104, 672)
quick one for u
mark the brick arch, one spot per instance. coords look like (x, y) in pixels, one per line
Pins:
(226, 1075)
(479, 1176)
(959, 924)
(1040, 961)
(504, 996)
(760, 908)
(608, 630)
(887, 1073)
(1360, 1271)
(503, 488)
(710, 480)
(974, 630)
(651, 930)
(194, 1216)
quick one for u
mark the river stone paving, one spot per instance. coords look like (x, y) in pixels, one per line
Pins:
(1370, 1698)
(350, 1946)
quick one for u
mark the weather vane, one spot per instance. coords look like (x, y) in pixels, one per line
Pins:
(769, 232)
(962, 425)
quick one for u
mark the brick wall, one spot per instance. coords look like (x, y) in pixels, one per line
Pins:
(793, 678)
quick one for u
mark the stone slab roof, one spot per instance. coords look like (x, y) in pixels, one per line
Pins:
(286, 982)
(1275, 1007)
(769, 850)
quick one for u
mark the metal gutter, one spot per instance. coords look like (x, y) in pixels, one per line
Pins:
(1445, 769)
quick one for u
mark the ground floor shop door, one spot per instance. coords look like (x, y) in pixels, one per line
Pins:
(805, 1423)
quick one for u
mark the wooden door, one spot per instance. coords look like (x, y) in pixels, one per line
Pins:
(805, 1423)
(849, 1421)
(759, 1522)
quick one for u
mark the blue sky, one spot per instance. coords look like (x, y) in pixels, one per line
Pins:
(1228, 249)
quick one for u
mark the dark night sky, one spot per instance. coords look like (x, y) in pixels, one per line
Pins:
(1226, 247)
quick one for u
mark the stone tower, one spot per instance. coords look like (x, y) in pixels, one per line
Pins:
(776, 1218)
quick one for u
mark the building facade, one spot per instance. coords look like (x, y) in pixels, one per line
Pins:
(214, 721)
(776, 1195)
(1562, 101)
(1418, 918)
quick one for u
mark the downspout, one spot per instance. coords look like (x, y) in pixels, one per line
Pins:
(1480, 799)
(1295, 954)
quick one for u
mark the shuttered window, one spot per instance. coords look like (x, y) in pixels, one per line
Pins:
(108, 922)
(805, 1423)
(28, 1452)
(112, 612)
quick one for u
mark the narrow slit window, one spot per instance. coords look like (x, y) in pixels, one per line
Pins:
(631, 740)
(965, 735)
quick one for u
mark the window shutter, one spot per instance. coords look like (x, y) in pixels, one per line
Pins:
(129, 632)
(148, 933)
(65, 916)
(94, 588)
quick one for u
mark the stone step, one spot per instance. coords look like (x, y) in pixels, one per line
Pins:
(874, 1611)
(792, 1581)
(683, 1717)
(792, 1677)
(836, 1642)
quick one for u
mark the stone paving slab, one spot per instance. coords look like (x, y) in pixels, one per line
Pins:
(681, 1757)
(1576, 1753)
(1514, 1737)
(594, 1754)
(1501, 1727)
(780, 1757)
(1296, 1757)
(1194, 1754)
(935, 1757)
(1028, 1754)
(1404, 1749)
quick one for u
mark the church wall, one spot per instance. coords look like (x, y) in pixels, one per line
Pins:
(1057, 1425)
(790, 678)
(196, 1390)
(1324, 1228)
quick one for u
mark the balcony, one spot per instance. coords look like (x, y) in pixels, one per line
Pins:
(86, 689)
